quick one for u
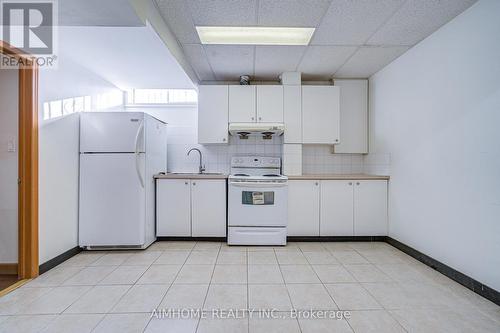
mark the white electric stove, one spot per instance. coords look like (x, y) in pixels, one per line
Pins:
(257, 201)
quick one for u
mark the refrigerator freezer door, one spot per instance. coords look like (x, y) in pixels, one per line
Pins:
(112, 200)
(111, 132)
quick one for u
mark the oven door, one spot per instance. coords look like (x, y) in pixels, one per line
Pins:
(257, 204)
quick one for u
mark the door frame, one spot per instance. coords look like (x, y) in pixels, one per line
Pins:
(27, 161)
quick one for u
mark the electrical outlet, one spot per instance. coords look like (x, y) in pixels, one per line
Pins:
(11, 146)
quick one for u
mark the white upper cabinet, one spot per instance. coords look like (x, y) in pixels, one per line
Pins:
(370, 208)
(213, 114)
(320, 115)
(336, 212)
(353, 116)
(242, 104)
(303, 208)
(292, 114)
(270, 104)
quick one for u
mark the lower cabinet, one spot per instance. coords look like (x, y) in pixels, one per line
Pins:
(370, 208)
(303, 208)
(336, 213)
(173, 207)
(191, 207)
(208, 208)
(337, 208)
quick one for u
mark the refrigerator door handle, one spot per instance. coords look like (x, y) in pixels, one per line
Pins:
(137, 153)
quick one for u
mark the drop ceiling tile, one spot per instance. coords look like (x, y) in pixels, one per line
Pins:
(230, 61)
(418, 19)
(197, 58)
(350, 22)
(291, 13)
(223, 12)
(176, 15)
(271, 61)
(369, 60)
(320, 62)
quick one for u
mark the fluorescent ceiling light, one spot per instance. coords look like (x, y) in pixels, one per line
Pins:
(255, 35)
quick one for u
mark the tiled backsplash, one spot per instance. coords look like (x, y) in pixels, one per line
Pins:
(316, 159)
(217, 158)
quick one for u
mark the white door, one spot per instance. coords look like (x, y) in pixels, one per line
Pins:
(208, 208)
(336, 214)
(111, 132)
(213, 114)
(270, 104)
(292, 114)
(303, 207)
(242, 104)
(353, 116)
(370, 208)
(320, 114)
(112, 200)
(173, 207)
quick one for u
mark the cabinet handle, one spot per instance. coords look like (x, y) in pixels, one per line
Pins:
(194, 183)
(336, 140)
(260, 118)
(357, 183)
(223, 139)
(253, 118)
(185, 183)
(316, 183)
(350, 183)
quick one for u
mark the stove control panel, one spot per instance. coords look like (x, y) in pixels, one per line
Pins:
(255, 162)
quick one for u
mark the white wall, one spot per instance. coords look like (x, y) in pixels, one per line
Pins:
(9, 116)
(59, 156)
(436, 111)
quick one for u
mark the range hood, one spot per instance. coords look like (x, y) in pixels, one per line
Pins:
(266, 130)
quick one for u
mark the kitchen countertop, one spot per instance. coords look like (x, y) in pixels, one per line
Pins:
(358, 176)
(191, 176)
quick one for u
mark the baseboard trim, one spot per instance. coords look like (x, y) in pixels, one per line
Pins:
(59, 259)
(201, 239)
(336, 238)
(9, 269)
(465, 280)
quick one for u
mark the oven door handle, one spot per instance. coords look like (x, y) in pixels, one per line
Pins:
(259, 185)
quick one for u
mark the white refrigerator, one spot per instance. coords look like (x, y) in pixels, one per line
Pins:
(119, 154)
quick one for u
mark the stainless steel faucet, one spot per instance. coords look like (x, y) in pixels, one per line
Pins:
(201, 168)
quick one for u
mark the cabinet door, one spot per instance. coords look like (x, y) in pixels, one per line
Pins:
(270, 104)
(213, 114)
(208, 207)
(353, 116)
(370, 208)
(320, 114)
(242, 104)
(336, 213)
(173, 207)
(292, 114)
(303, 208)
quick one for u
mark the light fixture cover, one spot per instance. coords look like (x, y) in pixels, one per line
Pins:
(254, 35)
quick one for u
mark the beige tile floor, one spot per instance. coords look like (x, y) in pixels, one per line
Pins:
(383, 290)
